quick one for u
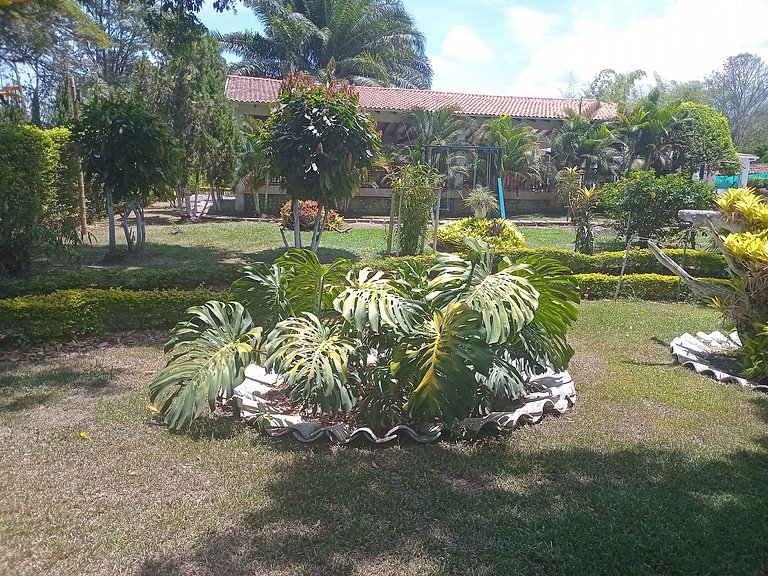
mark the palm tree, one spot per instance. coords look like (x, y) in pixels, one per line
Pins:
(519, 145)
(594, 148)
(372, 42)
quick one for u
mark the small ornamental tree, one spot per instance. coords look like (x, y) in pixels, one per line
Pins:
(709, 143)
(132, 153)
(642, 204)
(321, 144)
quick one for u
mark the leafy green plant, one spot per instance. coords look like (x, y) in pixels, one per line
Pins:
(413, 198)
(481, 201)
(583, 207)
(648, 206)
(443, 338)
(308, 215)
(209, 353)
(500, 235)
(321, 144)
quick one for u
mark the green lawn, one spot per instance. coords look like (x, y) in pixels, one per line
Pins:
(656, 471)
(204, 243)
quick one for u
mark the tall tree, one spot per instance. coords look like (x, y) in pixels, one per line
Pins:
(619, 88)
(594, 148)
(708, 143)
(519, 146)
(373, 42)
(740, 91)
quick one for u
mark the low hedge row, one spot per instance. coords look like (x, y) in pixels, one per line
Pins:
(182, 278)
(698, 263)
(68, 314)
(654, 287)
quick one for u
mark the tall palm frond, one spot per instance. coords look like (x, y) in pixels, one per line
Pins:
(373, 42)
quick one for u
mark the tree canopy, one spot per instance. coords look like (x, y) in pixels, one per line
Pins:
(373, 42)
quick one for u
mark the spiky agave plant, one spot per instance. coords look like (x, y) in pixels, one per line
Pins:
(481, 201)
(474, 330)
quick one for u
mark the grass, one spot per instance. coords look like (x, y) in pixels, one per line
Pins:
(656, 471)
(212, 243)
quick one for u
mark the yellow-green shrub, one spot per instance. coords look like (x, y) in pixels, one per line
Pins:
(501, 235)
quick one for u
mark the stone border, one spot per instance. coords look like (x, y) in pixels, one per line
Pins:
(695, 351)
(555, 394)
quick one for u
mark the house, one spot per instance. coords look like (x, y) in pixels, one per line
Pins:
(389, 107)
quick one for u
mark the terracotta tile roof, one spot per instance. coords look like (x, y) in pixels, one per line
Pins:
(758, 168)
(263, 90)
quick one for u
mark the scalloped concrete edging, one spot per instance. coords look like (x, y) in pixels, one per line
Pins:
(555, 395)
(694, 351)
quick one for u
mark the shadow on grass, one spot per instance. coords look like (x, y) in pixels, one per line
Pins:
(493, 509)
(325, 255)
(22, 388)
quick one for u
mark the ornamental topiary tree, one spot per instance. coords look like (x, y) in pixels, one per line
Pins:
(132, 153)
(321, 144)
(709, 144)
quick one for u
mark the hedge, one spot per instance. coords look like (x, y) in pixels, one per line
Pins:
(654, 287)
(698, 263)
(68, 314)
(183, 278)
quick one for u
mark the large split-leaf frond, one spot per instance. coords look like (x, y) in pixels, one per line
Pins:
(506, 299)
(209, 354)
(373, 300)
(442, 358)
(262, 291)
(313, 360)
(310, 285)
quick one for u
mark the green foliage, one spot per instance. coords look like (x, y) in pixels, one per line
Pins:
(757, 183)
(709, 147)
(369, 42)
(36, 179)
(583, 207)
(501, 235)
(443, 357)
(755, 354)
(131, 151)
(308, 215)
(413, 197)
(519, 147)
(433, 341)
(209, 353)
(313, 360)
(321, 141)
(70, 314)
(650, 204)
(480, 201)
(654, 287)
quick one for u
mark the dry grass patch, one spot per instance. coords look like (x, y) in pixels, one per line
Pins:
(656, 471)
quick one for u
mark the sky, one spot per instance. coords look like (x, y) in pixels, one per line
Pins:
(541, 48)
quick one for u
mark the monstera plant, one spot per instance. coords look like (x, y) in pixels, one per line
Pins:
(416, 345)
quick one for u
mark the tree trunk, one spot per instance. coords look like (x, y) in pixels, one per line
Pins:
(436, 219)
(111, 219)
(391, 227)
(79, 162)
(316, 228)
(296, 223)
(187, 201)
(197, 192)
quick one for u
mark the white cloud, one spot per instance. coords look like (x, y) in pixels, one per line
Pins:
(462, 44)
(681, 40)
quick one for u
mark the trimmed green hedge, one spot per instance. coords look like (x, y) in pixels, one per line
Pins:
(698, 263)
(654, 287)
(68, 314)
(183, 278)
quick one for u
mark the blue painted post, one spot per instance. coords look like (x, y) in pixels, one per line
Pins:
(501, 200)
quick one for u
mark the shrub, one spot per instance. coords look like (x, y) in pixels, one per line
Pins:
(27, 161)
(481, 201)
(72, 313)
(413, 197)
(307, 215)
(649, 205)
(500, 235)
(186, 278)
(654, 287)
